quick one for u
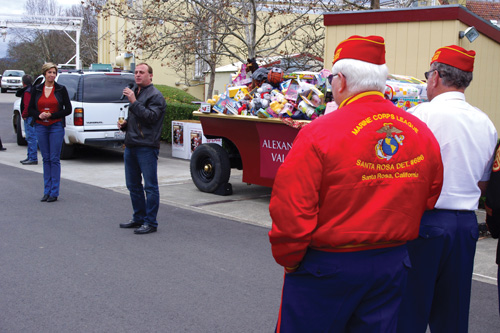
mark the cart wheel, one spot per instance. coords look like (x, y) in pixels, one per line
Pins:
(210, 167)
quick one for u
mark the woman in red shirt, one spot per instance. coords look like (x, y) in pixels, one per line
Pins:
(49, 104)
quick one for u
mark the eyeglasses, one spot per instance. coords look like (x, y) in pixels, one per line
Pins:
(331, 76)
(426, 74)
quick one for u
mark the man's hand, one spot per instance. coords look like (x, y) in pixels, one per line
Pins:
(130, 94)
(122, 125)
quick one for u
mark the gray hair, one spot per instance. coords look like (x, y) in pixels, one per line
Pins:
(362, 76)
(452, 76)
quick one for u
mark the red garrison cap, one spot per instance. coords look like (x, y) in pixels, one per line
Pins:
(369, 49)
(455, 56)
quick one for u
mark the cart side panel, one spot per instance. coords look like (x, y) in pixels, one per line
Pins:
(263, 146)
(275, 142)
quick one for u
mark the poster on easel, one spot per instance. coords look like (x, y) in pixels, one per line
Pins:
(196, 138)
(177, 135)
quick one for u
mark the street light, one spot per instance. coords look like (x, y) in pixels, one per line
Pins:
(471, 34)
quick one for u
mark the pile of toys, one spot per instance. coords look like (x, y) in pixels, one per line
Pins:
(272, 94)
(405, 91)
(269, 93)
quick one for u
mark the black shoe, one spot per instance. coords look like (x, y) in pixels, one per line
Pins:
(145, 229)
(29, 162)
(51, 199)
(25, 160)
(45, 197)
(3, 148)
(131, 224)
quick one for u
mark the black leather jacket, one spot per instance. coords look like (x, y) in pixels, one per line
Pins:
(62, 97)
(493, 202)
(145, 118)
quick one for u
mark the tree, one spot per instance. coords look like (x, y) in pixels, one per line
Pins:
(183, 33)
(31, 48)
(88, 37)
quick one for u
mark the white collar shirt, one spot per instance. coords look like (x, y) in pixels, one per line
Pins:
(467, 139)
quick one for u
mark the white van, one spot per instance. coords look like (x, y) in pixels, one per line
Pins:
(97, 99)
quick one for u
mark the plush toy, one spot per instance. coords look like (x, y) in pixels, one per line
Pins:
(264, 89)
(242, 109)
(251, 65)
(255, 105)
(213, 100)
(276, 106)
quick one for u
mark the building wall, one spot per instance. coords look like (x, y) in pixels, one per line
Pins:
(411, 45)
(111, 45)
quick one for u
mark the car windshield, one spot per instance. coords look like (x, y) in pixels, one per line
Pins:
(105, 88)
(13, 73)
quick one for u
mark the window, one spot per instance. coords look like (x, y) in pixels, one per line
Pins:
(105, 88)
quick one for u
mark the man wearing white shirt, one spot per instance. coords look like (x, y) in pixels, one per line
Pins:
(442, 258)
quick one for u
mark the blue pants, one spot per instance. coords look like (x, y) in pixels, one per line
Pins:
(345, 292)
(31, 139)
(439, 283)
(50, 139)
(143, 162)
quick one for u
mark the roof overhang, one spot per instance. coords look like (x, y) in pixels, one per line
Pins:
(438, 13)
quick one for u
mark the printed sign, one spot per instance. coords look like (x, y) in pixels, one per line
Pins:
(275, 143)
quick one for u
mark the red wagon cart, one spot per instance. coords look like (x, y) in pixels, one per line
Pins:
(255, 145)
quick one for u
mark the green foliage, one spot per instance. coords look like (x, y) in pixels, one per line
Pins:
(179, 107)
(173, 94)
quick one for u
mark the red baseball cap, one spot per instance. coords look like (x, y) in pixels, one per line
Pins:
(455, 56)
(369, 49)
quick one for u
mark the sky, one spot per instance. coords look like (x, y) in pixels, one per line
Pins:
(16, 7)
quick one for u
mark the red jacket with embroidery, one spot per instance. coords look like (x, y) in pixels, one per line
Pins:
(355, 179)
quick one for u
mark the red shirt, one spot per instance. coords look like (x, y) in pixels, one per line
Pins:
(355, 179)
(49, 104)
(26, 104)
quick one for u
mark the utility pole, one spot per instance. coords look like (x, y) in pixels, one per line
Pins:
(37, 22)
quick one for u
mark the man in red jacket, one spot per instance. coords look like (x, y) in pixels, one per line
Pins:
(348, 197)
(493, 209)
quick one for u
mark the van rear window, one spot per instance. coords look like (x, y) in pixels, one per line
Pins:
(105, 88)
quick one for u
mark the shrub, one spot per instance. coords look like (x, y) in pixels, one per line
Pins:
(179, 107)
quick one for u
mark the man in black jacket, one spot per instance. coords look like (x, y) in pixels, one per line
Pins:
(493, 207)
(142, 145)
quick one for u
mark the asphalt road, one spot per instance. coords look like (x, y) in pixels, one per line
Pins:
(68, 267)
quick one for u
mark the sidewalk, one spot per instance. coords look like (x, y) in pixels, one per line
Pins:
(248, 204)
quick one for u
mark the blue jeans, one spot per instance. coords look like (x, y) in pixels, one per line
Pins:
(31, 139)
(50, 139)
(145, 199)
